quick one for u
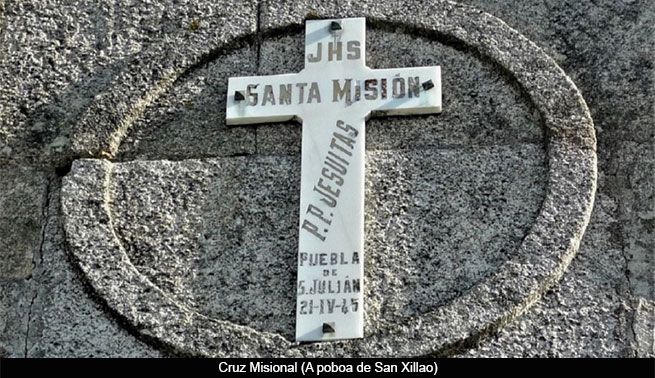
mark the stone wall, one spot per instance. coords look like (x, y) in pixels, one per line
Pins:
(73, 84)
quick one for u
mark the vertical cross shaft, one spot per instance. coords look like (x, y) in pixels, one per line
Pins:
(333, 96)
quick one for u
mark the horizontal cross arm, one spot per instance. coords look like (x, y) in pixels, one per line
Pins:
(260, 99)
(399, 91)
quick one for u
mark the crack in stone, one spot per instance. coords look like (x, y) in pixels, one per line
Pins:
(613, 190)
(258, 34)
(259, 38)
(635, 308)
(176, 158)
(631, 301)
(635, 352)
(29, 319)
(37, 258)
(3, 24)
(626, 272)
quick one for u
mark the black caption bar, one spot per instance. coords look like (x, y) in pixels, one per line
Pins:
(178, 367)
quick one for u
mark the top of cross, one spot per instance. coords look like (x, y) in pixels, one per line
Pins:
(335, 78)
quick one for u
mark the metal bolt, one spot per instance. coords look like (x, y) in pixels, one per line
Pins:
(238, 96)
(427, 85)
(335, 26)
(328, 328)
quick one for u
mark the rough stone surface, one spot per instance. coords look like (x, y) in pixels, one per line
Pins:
(15, 302)
(64, 321)
(586, 314)
(237, 262)
(23, 204)
(22, 200)
(632, 168)
(189, 120)
(605, 47)
(61, 58)
(644, 328)
(582, 38)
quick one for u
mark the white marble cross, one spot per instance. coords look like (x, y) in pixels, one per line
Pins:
(332, 96)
